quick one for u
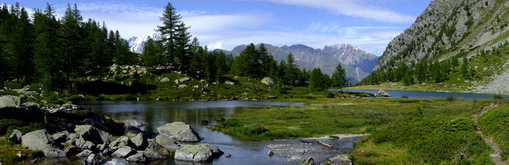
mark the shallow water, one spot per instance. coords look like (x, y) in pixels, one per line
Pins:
(243, 152)
(413, 94)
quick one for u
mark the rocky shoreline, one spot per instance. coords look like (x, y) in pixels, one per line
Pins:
(97, 139)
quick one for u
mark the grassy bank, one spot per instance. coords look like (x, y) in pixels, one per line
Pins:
(495, 123)
(403, 131)
(399, 86)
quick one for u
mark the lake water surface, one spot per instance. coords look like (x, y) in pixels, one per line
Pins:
(243, 152)
(413, 94)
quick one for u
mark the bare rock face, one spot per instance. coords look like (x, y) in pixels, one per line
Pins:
(197, 153)
(138, 158)
(42, 140)
(179, 131)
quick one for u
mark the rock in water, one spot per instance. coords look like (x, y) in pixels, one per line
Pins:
(179, 131)
(197, 153)
(138, 158)
(116, 162)
(60, 137)
(15, 136)
(340, 160)
(382, 93)
(161, 147)
(93, 160)
(41, 140)
(10, 101)
(123, 152)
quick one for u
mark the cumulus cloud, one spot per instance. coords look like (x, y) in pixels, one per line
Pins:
(355, 8)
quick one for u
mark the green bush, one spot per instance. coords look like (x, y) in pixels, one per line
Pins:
(498, 96)
(231, 123)
(450, 98)
(435, 140)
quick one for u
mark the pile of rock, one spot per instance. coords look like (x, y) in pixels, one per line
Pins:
(95, 145)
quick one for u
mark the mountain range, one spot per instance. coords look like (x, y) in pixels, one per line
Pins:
(357, 62)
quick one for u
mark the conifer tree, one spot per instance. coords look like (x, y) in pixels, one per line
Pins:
(72, 41)
(171, 21)
(339, 79)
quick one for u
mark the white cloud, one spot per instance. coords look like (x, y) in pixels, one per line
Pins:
(355, 8)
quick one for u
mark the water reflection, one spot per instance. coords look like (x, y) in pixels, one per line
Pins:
(243, 152)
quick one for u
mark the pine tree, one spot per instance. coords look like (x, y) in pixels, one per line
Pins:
(72, 44)
(464, 68)
(339, 79)
(183, 47)
(47, 55)
(152, 53)
(290, 73)
(318, 81)
(171, 21)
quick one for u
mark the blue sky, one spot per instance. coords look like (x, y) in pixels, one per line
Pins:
(369, 24)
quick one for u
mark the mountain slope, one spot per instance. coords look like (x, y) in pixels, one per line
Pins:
(353, 59)
(447, 32)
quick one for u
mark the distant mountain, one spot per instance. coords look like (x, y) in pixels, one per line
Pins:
(357, 62)
(138, 43)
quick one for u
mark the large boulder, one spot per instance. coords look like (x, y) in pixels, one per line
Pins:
(41, 140)
(121, 142)
(140, 141)
(197, 153)
(92, 134)
(10, 101)
(84, 144)
(161, 147)
(107, 124)
(123, 152)
(60, 137)
(15, 136)
(382, 93)
(179, 131)
(134, 123)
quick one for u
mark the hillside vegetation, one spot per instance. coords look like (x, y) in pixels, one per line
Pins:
(458, 44)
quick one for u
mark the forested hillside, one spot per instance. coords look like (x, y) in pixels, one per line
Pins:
(68, 55)
(457, 42)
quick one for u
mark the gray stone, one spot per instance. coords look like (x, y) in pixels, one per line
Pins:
(84, 144)
(267, 81)
(93, 160)
(10, 101)
(179, 131)
(108, 151)
(84, 153)
(340, 160)
(138, 158)
(166, 79)
(92, 134)
(70, 149)
(15, 136)
(140, 141)
(41, 140)
(197, 153)
(134, 123)
(121, 142)
(107, 124)
(116, 162)
(123, 152)
(161, 147)
(382, 93)
(60, 137)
